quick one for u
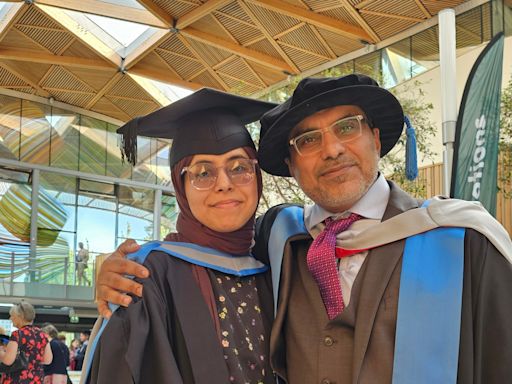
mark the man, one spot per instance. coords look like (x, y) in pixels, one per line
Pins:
(80, 353)
(82, 257)
(338, 320)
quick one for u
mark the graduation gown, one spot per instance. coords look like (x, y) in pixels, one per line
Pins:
(168, 335)
(365, 333)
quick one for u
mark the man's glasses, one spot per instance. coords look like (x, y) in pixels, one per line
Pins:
(204, 175)
(346, 129)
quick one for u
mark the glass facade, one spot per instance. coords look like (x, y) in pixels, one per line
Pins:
(69, 152)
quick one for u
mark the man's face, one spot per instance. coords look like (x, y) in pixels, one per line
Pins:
(340, 174)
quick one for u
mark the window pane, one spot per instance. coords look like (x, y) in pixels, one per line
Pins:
(469, 28)
(59, 255)
(65, 133)
(10, 109)
(136, 207)
(35, 133)
(169, 215)
(145, 169)
(14, 240)
(396, 63)
(369, 65)
(163, 170)
(115, 166)
(93, 136)
(425, 50)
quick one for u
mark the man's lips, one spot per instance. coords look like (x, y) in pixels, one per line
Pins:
(335, 170)
(226, 203)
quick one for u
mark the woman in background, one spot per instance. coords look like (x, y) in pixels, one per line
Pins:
(31, 341)
(56, 373)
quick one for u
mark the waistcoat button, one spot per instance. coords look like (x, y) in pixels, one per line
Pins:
(328, 341)
(325, 381)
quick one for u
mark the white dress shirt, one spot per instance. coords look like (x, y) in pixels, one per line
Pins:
(371, 207)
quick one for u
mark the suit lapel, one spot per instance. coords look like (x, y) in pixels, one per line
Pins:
(381, 262)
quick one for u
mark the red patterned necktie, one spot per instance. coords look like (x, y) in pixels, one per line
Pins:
(322, 264)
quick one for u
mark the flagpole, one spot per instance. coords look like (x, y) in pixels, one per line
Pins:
(447, 61)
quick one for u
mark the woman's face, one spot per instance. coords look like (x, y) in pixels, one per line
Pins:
(16, 320)
(225, 207)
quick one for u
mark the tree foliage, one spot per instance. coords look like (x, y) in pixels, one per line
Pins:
(505, 146)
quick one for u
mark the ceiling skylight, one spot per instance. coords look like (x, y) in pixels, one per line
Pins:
(124, 32)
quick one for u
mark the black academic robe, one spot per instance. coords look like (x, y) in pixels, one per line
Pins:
(167, 336)
(485, 353)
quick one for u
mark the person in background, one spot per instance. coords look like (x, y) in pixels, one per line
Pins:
(82, 257)
(73, 349)
(80, 353)
(56, 372)
(31, 341)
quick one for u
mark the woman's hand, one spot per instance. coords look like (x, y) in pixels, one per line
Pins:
(111, 285)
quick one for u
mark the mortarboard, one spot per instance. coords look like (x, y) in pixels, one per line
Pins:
(206, 122)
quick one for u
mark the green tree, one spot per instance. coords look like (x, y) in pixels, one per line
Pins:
(505, 145)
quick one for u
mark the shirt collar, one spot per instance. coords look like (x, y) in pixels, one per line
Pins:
(371, 206)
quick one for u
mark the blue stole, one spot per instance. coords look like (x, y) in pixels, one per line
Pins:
(194, 254)
(430, 298)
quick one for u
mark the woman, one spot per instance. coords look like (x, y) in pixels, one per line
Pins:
(205, 313)
(56, 373)
(29, 340)
(73, 349)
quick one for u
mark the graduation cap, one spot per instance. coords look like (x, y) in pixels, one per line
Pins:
(205, 122)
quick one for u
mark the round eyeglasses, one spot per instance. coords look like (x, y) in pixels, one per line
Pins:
(203, 176)
(346, 129)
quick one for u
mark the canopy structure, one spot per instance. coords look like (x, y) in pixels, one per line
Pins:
(96, 54)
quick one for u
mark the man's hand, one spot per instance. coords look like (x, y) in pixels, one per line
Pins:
(111, 285)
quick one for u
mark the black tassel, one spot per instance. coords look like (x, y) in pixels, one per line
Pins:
(129, 142)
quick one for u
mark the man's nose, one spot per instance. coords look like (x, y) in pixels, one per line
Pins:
(331, 146)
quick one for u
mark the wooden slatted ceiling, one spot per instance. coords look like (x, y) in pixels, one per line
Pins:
(241, 46)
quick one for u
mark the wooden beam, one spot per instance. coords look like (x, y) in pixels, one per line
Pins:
(74, 27)
(107, 87)
(11, 18)
(42, 58)
(318, 20)
(217, 42)
(269, 37)
(164, 77)
(360, 20)
(145, 48)
(200, 12)
(23, 76)
(392, 15)
(157, 12)
(364, 3)
(423, 9)
(205, 64)
(102, 8)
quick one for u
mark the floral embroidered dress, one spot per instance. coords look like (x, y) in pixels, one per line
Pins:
(31, 341)
(243, 339)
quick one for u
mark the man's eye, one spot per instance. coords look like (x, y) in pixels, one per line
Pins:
(310, 139)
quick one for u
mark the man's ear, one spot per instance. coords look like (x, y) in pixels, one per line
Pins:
(376, 138)
(289, 164)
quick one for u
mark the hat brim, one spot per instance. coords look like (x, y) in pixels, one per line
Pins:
(380, 106)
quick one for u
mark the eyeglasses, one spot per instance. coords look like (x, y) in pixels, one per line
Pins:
(346, 129)
(203, 176)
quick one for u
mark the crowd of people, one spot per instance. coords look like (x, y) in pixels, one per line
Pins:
(37, 355)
